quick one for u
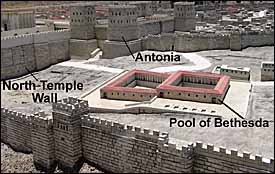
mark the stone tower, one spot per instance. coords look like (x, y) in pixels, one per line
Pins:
(185, 15)
(144, 8)
(67, 133)
(122, 21)
(82, 22)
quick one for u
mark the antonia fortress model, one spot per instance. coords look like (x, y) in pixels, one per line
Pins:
(71, 134)
(37, 51)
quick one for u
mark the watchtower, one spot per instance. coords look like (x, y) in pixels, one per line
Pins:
(122, 21)
(82, 22)
(185, 14)
(67, 133)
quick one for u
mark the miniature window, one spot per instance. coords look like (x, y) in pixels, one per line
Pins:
(188, 94)
(179, 93)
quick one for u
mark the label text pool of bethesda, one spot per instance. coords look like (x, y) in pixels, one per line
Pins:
(219, 122)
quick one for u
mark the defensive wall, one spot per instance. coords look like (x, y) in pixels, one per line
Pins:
(40, 50)
(160, 35)
(113, 146)
(35, 51)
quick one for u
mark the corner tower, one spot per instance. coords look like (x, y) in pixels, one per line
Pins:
(185, 15)
(122, 21)
(82, 22)
(67, 133)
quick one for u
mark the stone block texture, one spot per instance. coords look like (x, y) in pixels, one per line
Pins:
(73, 136)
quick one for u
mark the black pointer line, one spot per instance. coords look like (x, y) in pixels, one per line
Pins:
(128, 48)
(31, 74)
(231, 109)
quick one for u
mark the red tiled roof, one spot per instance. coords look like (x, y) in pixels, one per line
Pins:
(166, 85)
(219, 88)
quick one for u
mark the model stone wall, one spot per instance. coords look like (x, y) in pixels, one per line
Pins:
(185, 42)
(146, 28)
(110, 48)
(210, 159)
(42, 138)
(73, 135)
(34, 51)
(16, 130)
(265, 38)
(125, 148)
(26, 31)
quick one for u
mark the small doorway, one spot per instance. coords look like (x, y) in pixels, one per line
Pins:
(214, 100)
(5, 27)
(104, 95)
(161, 94)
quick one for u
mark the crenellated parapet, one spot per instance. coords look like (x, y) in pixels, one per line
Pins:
(220, 158)
(71, 106)
(122, 129)
(14, 115)
(41, 119)
(33, 38)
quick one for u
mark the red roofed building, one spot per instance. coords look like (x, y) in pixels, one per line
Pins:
(139, 85)
(195, 86)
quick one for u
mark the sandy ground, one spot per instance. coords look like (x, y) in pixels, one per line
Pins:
(255, 140)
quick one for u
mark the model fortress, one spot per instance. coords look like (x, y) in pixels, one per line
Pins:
(183, 32)
(75, 130)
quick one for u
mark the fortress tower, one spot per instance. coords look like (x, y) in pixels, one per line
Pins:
(82, 25)
(82, 22)
(67, 132)
(185, 14)
(144, 8)
(122, 21)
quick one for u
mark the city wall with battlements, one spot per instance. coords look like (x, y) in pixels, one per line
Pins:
(34, 51)
(70, 134)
